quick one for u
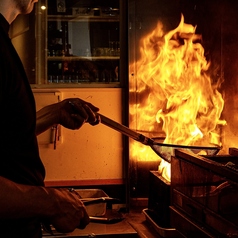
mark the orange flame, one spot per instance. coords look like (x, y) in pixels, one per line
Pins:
(174, 91)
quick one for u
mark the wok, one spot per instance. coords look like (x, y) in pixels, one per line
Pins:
(165, 151)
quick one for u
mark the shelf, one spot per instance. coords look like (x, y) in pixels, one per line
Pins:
(81, 58)
(83, 45)
(83, 18)
(77, 85)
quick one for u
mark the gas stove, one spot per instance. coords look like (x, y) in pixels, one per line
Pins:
(204, 193)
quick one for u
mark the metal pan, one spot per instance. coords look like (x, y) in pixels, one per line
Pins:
(165, 151)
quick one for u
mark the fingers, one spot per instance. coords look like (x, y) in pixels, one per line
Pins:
(84, 222)
(71, 213)
(97, 121)
(93, 118)
(85, 111)
(79, 108)
(77, 103)
(78, 121)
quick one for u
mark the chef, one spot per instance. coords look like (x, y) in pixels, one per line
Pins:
(24, 201)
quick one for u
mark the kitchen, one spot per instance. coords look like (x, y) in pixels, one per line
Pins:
(107, 161)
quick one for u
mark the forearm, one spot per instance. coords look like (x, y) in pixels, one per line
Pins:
(46, 118)
(59, 207)
(17, 201)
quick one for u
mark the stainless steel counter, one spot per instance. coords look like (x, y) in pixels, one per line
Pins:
(133, 225)
(120, 229)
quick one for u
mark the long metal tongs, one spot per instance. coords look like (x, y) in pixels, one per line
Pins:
(165, 151)
(125, 130)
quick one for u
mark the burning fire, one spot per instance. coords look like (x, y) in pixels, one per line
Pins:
(174, 91)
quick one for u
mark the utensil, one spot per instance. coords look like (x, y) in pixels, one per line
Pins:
(108, 220)
(90, 201)
(103, 219)
(165, 151)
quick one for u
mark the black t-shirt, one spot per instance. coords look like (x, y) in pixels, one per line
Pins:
(19, 154)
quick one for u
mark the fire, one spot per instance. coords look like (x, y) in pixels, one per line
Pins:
(175, 93)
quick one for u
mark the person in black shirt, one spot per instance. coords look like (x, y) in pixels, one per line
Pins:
(24, 201)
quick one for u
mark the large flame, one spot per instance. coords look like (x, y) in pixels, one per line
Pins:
(174, 90)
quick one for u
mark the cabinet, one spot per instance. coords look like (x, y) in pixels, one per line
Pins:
(83, 42)
(76, 43)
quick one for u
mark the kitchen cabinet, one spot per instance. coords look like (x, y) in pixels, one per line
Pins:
(74, 43)
(83, 42)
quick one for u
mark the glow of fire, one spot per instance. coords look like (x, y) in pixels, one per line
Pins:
(175, 93)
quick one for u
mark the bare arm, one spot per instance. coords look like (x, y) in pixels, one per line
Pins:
(15, 199)
(61, 208)
(72, 117)
(46, 118)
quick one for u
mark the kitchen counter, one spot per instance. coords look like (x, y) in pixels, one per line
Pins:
(134, 224)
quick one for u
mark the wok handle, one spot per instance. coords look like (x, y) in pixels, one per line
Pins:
(125, 130)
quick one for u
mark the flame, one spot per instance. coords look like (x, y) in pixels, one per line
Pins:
(174, 91)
